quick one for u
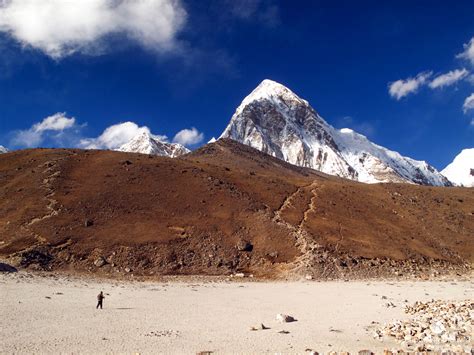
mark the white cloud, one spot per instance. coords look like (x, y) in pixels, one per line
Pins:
(468, 53)
(401, 88)
(114, 136)
(449, 78)
(56, 122)
(60, 27)
(34, 136)
(468, 103)
(188, 137)
(470, 79)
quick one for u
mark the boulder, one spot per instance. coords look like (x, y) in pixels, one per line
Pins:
(7, 268)
(100, 261)
(244, 245)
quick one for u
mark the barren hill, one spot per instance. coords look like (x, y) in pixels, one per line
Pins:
(224, 208)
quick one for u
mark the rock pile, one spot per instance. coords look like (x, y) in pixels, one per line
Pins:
(434, 325)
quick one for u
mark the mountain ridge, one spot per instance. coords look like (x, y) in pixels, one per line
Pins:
(107, 212)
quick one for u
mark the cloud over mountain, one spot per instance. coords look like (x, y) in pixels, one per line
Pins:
(188, 137)
(114, 136)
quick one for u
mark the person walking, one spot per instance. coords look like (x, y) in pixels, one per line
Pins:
(100, 299)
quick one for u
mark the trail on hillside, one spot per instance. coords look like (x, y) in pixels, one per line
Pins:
(51, 170)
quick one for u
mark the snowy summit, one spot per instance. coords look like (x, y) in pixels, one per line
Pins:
(147, 143)
(461, 170)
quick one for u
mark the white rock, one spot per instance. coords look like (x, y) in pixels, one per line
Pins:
(284, 318)
(438, 328)
(428, 338)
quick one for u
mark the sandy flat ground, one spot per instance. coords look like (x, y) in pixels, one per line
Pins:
(57, 314)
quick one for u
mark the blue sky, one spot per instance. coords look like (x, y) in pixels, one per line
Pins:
(399, 72)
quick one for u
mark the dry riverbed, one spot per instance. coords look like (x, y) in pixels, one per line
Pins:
(56, 313)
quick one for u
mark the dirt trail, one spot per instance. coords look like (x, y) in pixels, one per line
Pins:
(51, 170)
(303, 240)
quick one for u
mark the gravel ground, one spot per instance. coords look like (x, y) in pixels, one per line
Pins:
(57, 314)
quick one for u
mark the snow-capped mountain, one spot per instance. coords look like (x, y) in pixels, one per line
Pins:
(3, 149)
(147, 143)
(276, 121)
(461, 170)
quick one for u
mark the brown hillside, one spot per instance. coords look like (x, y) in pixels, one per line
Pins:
(222, 209)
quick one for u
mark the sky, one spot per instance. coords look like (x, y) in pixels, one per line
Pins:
(93, 73)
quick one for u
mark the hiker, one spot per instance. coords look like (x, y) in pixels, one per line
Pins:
(100, 298)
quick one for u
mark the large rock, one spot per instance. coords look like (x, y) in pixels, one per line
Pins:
(285, 318)
(7, 268)
(99, 262)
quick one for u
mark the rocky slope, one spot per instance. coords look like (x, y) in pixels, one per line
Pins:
(147, 143)
(276, 121)
(461, 170)
(222, 209)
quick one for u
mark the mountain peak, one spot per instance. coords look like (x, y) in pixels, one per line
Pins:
(278, 122)
(272, 91)
(3, 149)
(461, 170)
(271, 85)
(147, 143)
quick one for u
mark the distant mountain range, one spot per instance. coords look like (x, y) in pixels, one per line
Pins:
(276, 121)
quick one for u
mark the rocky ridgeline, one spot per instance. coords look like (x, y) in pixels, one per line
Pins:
(434, 326)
